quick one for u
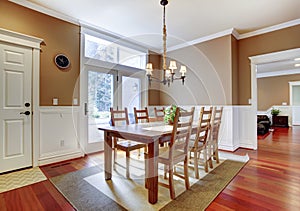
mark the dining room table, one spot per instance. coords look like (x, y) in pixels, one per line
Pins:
(152, 134)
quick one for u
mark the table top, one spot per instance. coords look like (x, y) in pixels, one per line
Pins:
(146, 132)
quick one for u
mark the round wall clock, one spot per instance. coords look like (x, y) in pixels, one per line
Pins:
(62, 61)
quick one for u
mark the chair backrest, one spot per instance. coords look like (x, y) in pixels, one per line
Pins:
(216, 122)
(182, 127)
(159, 112)
(141, 115)
(119, 117)
(203, 125)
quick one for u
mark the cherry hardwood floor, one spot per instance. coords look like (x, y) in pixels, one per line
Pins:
(269, 181)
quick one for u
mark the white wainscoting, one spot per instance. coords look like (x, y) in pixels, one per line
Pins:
(59, 134)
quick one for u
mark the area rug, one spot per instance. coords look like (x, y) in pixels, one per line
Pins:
(20, 179)
(87, 190)
(201, 194)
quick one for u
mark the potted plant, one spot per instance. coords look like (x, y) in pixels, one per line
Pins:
(275, 111)
(170, 114)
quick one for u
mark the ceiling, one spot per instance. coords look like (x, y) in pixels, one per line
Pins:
(278, 68)
(187, 20)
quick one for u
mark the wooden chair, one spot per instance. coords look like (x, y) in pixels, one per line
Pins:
(159, 113)
(214, 135)
(121, 117)
(199, 145)
(141, 115)
(177, 150)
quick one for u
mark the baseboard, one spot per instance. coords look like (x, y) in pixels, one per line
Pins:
(228, 148)
(58, 158)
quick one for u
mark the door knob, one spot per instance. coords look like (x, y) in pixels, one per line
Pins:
(27, 104)
(26, 113)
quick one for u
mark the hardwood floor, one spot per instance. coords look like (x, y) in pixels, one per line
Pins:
(269, 181)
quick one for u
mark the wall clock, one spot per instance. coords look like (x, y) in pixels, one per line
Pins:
(62, 61)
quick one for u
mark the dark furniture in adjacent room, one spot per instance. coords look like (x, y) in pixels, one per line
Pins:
(263, 124)
(280, 121)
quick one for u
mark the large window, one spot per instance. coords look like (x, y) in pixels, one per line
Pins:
(107, 51)
(112, 75)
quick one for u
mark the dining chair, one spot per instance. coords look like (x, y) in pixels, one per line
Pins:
(199, 145)
(177, 150)
(119, 117)
(214, 134)
(159, 113)
(141, 115)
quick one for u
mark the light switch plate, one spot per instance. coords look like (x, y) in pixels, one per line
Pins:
(55, 101)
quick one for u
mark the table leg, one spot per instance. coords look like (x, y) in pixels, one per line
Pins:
(152, 172)
(107, 155)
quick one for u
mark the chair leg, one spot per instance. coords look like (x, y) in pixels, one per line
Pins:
(186, 174)
(210, 156)
(171, 183)
(196, 166)
(216, 154)
(127, 163)
(205, 159)
(115, 157)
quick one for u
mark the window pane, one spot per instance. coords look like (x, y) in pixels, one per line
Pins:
(131, 95)
(100, 99)
(104, 50)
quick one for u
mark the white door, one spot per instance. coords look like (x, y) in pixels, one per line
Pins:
(15, 107)
(99, 95)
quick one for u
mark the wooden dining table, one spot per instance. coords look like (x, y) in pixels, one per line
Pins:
(152, 134)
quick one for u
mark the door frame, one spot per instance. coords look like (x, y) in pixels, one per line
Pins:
(119, 71)
(266, 58)
(18, 39)
(93, 147)
(293, 107)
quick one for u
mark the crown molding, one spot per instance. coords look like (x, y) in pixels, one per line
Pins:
(204, 39)
(270, 29)
(231, 31)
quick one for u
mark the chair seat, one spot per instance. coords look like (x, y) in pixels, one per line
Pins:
(164, 155)
(129, 145)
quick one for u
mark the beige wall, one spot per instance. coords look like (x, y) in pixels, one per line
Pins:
(59, 37)
(284, 39)
(209, 79)
(274, 90)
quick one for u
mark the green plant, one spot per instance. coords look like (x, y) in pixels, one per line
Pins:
(275, 111)
(170, 114)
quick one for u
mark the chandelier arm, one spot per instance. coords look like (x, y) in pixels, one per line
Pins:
(168, 75)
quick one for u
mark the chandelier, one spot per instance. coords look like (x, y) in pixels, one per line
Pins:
(168, 74)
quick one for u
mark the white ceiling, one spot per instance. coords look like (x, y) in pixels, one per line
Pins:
(187, 20)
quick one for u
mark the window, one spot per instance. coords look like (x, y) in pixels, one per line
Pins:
(107, 51)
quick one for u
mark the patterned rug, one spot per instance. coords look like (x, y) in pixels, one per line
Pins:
(20, 179)
(87, 190)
